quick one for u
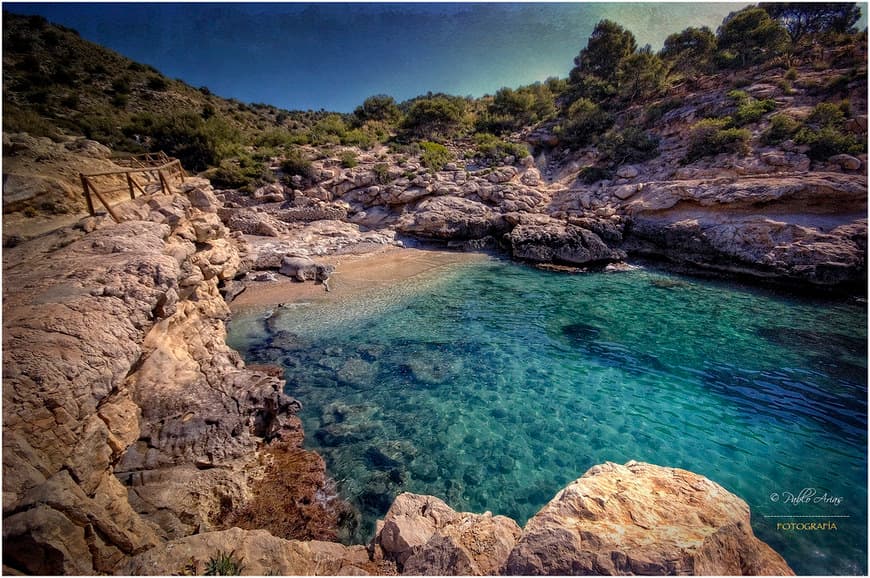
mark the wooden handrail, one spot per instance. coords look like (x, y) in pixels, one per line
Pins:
(169, 168)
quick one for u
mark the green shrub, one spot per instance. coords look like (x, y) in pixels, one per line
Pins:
(330, 129)
(712, 136)
(782, 127)
(791, 74)
(829, 141)
(224, 564)
(244, 173)
(828, 114)
(592, 174)
(381, 108)
(749, 109)
(348, 159)
(158, 83)
(584, 121)
(358, 138)
(631, 145)
(120, 100)
(295, 164)
(121, 85)
(434, 155)
(434, 117)
(493, 149)
(17, 119)
(382, 173)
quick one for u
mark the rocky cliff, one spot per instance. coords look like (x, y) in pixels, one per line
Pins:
(126, 418)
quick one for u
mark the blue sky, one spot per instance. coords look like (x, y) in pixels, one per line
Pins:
(332, 56)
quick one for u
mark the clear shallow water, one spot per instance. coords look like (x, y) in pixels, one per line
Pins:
(495, 385)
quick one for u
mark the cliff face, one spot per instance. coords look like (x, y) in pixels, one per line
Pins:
(127, 420)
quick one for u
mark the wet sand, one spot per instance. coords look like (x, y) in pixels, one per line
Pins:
(354, 274)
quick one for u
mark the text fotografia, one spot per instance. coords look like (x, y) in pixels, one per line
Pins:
(806, 496)
(806, 526)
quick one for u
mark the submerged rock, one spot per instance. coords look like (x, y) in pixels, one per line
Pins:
(643, 519)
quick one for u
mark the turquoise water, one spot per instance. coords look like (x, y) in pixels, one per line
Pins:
(495, 385)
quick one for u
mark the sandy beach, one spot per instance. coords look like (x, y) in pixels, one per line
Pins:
(354, 274)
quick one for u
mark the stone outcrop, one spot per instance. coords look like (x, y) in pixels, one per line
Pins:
(643, 519)
(127, 420)
(257, 553)
(548, 241)
(452, 218)
(424, 536)
(811, 229)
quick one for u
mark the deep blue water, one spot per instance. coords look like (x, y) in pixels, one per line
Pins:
(494, 385)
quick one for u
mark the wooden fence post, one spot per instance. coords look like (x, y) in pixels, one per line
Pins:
(130, 186)
(164, 186)
(88, 200)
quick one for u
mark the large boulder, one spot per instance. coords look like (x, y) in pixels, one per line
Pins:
(424, 536)
(549, 240)
(303, 268)
(452, 218)
(643, 519)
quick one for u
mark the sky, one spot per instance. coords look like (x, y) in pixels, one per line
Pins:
(332, 56)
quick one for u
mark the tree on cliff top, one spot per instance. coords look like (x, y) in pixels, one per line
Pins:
(607, 46)
(806, 18)
(751, 36)
(690, 50)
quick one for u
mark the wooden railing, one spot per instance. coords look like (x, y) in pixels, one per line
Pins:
(155, 169)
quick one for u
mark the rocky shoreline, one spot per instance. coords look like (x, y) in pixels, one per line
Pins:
(132, 433)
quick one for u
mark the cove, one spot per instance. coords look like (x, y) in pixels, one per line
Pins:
(492, 385)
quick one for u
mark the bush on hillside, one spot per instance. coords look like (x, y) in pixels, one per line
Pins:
(196, 142)
(380, 108)
(631, 145)
(749, 109)
(691, 50)
(827, 142)
(492, 149)
(512, 109)
(782, 127)
(584, 121)
(296, 164)
(712, 136)
(434, 156)
(641, 75)
(434, 117)
(824, 132)
(348, 159)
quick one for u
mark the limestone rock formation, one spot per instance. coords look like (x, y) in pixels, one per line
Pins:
(643, 519)
(452, 218)
(548, 240)
(116, 368)
(811, 228)
(424, 536)
(257, 552)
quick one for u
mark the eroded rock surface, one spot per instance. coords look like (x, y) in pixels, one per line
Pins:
(258, 554)
(424, 536)
(643, 519)
(127, 420)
